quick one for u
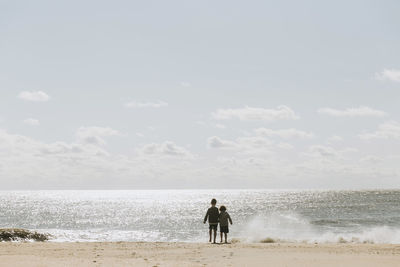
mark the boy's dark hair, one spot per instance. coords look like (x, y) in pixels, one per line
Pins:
(222, 208)
(213, 201)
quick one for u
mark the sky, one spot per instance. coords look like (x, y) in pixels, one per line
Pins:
(199, 94)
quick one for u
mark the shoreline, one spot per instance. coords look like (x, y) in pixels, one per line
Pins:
(196, 254)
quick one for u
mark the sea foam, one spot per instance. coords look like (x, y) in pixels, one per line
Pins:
(295, 228)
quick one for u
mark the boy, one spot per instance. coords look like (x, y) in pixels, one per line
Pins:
(223, 222)
(212, 215)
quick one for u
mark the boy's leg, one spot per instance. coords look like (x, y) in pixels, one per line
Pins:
(226, 237)
(215, 234)
(221, 236)
(210, 232)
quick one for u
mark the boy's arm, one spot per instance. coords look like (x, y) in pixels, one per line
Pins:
(229, 217)
(205, 218)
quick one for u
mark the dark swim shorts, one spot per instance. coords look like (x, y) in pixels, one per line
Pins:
(213, 227)
(224, 229)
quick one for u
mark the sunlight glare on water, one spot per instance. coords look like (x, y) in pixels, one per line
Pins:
(177, 215)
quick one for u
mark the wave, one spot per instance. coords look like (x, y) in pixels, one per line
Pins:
(106, 235)
(263, 234)
(273, 228)
(294, 228)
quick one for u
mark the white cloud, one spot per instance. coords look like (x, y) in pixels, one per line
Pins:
(387, 130)
(250, 113)
(34, 96)
(285, 146)
(329, 152)
(388, 74)
(217, 142)
(26, 163)
(353, 112)
(94, 135)
(136, 104)
(32, 122)
(323, 151)
(245, 145)
(61, 148)
(254, 142)
(29, 163)
(283, 133)
(167, 148)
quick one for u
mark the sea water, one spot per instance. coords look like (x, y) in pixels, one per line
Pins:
(177, 215)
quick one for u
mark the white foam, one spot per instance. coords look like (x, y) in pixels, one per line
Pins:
(101, 235)
(380, 235)
(293, 228)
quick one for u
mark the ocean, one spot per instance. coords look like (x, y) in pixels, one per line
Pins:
(177, 215)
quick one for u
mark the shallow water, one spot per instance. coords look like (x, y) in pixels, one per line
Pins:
(177, 215)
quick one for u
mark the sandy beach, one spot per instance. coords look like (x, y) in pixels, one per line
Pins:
(197, 254)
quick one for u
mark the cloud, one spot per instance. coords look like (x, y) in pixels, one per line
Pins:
(135, 104)
(254, 142)
(387, 130)
(353, 112)
(283, 133)
(27, 163)
(250, 113)
(167, 148)
(285, 146)
(217, 142)
(22, 146)
(323, 151)
(388, 74)
(61, 148)
(329, 152)
(242, 143)
(34, 96)
(246, 145)
(94, 135)
(370, 159)
(32, 122)
(220, 126)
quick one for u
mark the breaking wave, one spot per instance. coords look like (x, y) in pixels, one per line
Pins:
(294, 228)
